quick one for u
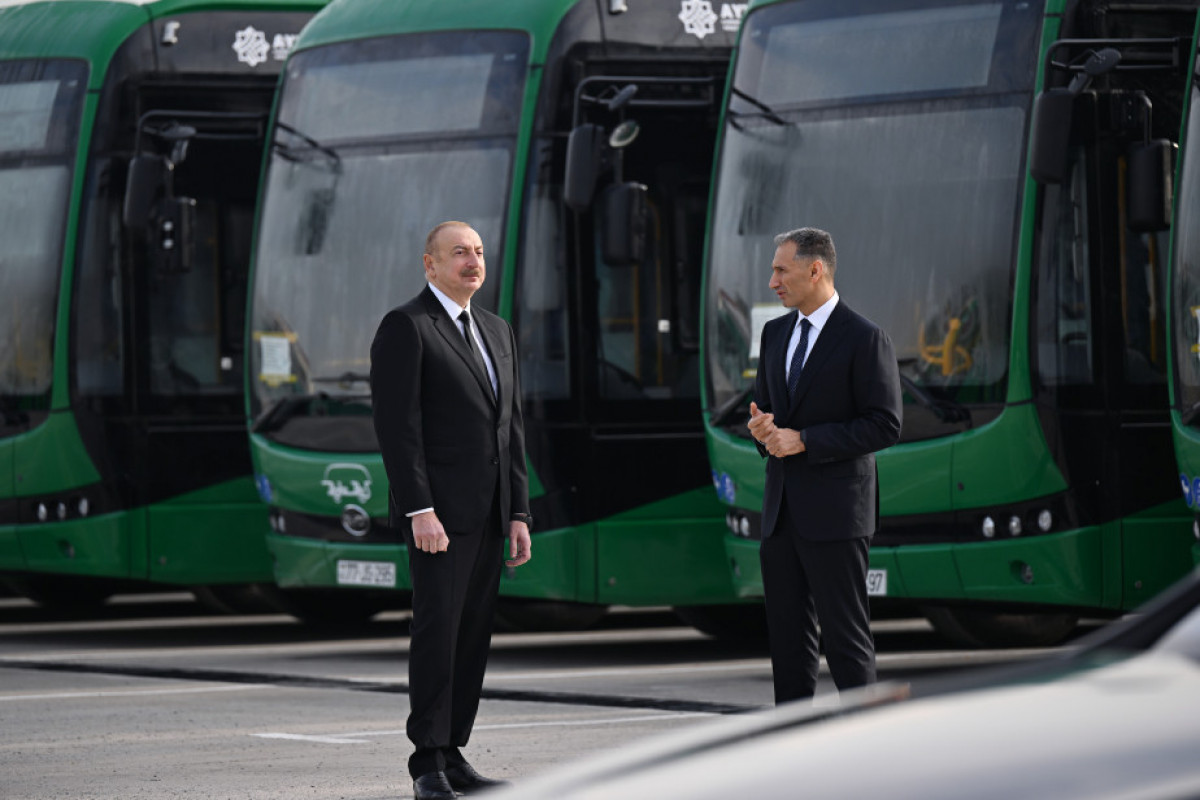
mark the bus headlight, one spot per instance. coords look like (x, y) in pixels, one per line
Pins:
(1045, 520)
(1014, 525)
(988, 527)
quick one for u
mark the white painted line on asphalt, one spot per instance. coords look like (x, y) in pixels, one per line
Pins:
(364, 737)
(134, 692)
(611, 672)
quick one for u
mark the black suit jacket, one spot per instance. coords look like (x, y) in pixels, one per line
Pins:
(847, 404)
(447, 442)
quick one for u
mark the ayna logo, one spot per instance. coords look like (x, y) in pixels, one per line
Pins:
(347, 480)
(700, 19)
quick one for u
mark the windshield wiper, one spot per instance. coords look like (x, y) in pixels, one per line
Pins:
(944, 409)
(722, 414)
(1188, 416)
(768, 112)
(345, 379)
(291, 154)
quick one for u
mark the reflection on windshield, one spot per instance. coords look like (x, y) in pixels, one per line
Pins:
(937, 281)
(32, 203)
(920, 196)
(350, 195)
(316, 308)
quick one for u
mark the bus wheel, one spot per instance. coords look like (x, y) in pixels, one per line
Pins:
(733, 623)
(977, 628)
(340, 607)
(67, 594)
(518, 615)
(240, 598)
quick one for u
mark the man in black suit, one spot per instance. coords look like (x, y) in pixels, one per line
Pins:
(447, 411)
(826, 398)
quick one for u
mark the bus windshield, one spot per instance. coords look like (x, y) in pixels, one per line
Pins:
(898, 128)
(39, 123)
(376, 142)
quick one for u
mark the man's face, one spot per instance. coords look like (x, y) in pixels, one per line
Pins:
(791, 277)
(456, 265)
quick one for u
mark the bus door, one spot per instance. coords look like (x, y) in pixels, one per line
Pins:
(189, 207)
(648, 144)
(1101, 319)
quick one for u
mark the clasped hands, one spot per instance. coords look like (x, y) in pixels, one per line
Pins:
(780, 442)
(430, 537)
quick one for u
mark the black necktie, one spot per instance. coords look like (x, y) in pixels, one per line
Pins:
(465, 319)
(793, 377)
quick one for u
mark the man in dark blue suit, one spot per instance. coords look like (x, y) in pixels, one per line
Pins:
(447, 411)
(827, 397)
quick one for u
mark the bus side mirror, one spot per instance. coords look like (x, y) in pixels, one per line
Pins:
(624, 220)
(1052, 113)
(147, 177)
(584, 155)
(1150, 187)
(176, 234)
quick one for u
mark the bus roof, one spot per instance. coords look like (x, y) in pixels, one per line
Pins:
(661, 22)
(93, 30)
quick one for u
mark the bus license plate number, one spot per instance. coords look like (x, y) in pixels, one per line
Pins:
(366, 573)
(877, 582)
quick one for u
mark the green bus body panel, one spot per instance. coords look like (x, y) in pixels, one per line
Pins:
(1005, 461)
(311, 563)
(66, 29)
(50, 458)
(296, 478)
(1063, 569)
(214, 535)
(102, 546)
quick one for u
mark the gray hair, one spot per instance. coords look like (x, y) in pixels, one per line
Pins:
(811, 243)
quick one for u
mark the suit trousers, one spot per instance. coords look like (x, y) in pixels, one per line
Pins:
(454, 604)
(804, 581)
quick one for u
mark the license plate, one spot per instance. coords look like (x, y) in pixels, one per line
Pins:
(366, 573)
(877, 582)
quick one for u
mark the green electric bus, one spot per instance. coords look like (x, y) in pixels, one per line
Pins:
(131, 143)
(1184, 311)
(577, 137)
(1016, 253)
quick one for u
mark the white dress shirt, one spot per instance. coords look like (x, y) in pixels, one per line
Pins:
(818, 319)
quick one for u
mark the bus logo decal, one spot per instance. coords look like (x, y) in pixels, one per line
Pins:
(698, 18)
(347, 480)
(251, 46)
(731, 16)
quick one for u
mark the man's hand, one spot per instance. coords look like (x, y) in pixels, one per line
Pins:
(519, 545)
(780, 442)
(429, 534)
(761, 424)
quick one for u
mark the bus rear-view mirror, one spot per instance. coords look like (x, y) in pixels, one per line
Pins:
(1052, 112)
(143, 184)
(584, 154)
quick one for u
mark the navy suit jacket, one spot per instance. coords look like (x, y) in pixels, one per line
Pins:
(448, 443)
(847, 404)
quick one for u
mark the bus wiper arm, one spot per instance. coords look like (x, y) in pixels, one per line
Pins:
(1189, 415)
(943, 409)
(768, 112)
(722, 414)
(290, 153)
(345, 379)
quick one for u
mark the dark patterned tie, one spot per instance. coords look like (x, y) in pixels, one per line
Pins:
(793, 377)
(465, 319)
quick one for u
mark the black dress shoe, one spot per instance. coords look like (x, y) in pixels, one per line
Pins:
(433, 786)
(464, 778)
